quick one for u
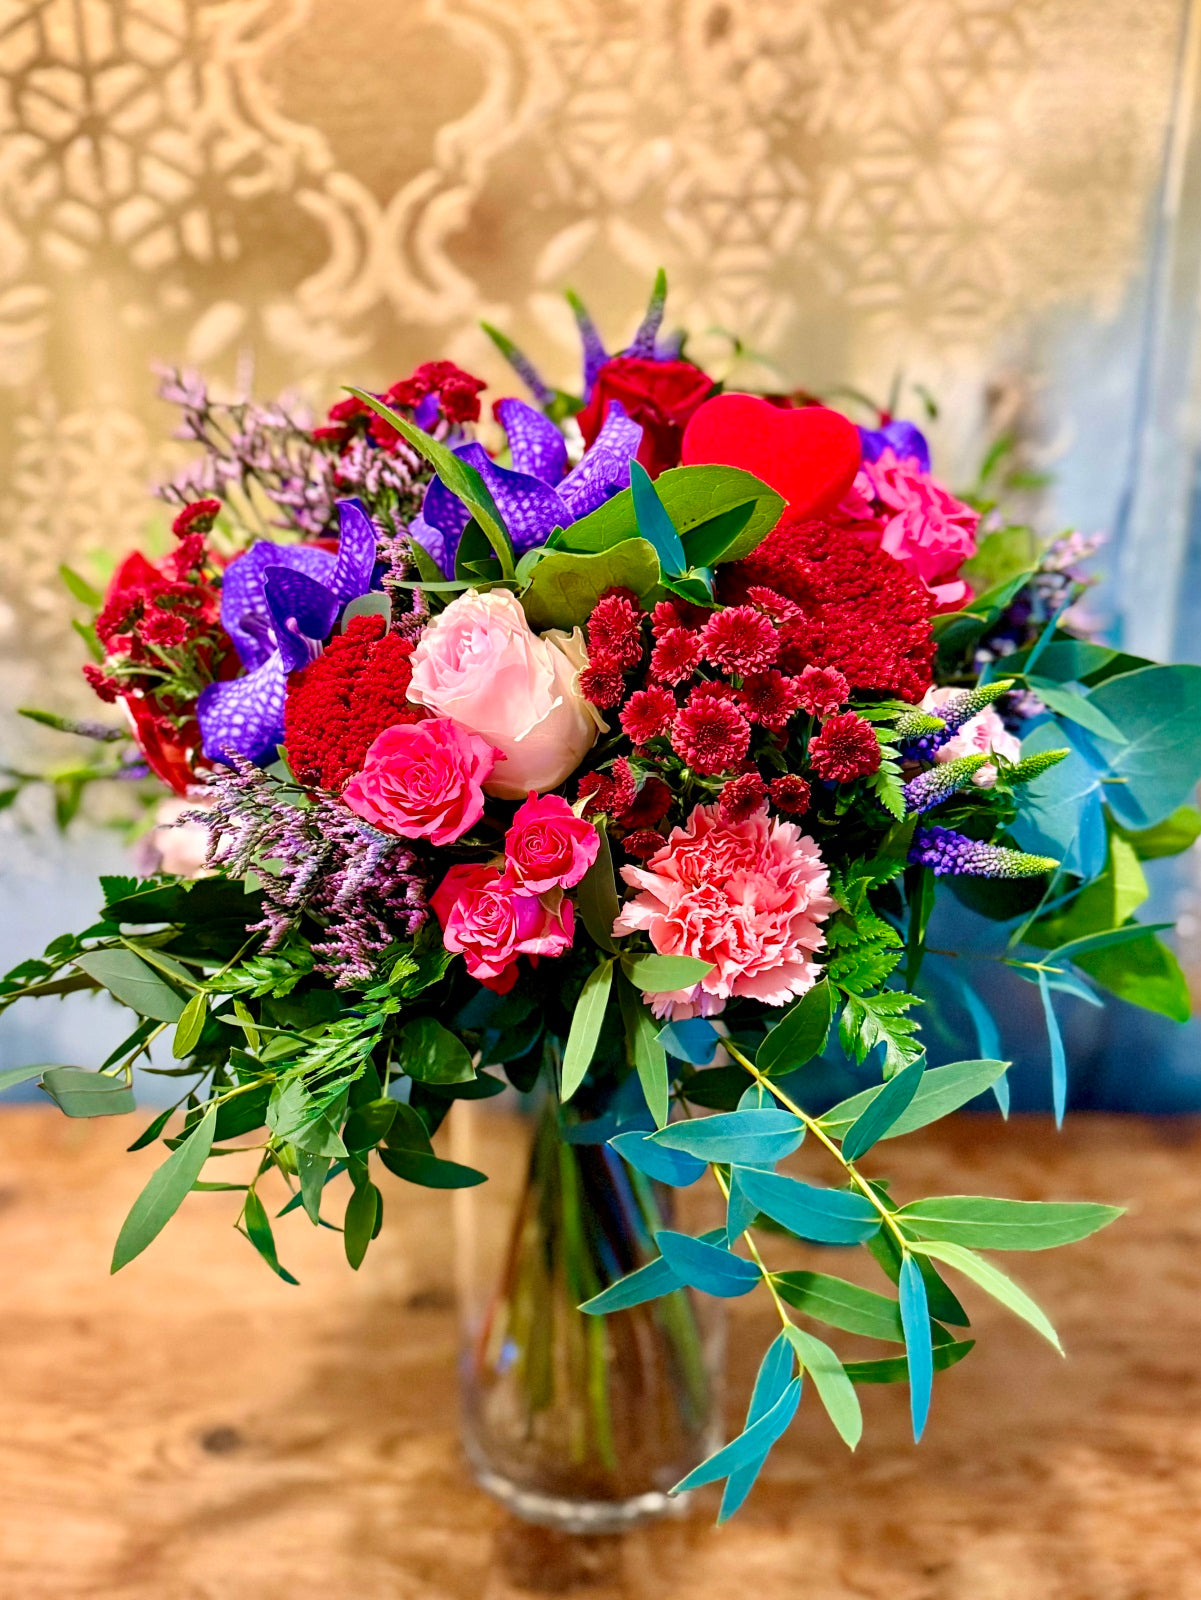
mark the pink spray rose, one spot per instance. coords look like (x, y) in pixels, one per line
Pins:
(748, 896)
(985, 734)
(925, 528)
(548, 846)
(480, 663)
(423, 780)
(490, 921)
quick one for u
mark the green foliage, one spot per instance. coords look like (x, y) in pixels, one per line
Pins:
(882, 1019)
(564, 586)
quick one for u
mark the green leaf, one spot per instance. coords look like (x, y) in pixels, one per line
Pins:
(990, 1224)
(164, 1194)
(663, 974)
(1130, 934)
(834, 1388)
(1106, 903)
(135, 984)
(565, 586)
(941, 1091)
(1078, 708)
(596, 897)
(432, 1054)
(416, 1166)
(190, 1026)
(368, 605)
(11, 1076)
(646, 1054)
(800, 1034)
(1143, 972)
(362, 1209)
(369, 1123)
(585, 1030)
(919, 1350)
(884, 1111)
(994, 1282)
(1159, 711)
(258, 1231)
(654, 524)
(871, 1020)
(79, 588)
(895, 1369)
(841, 1304)
(458, 476)
(742, 1138)
(87, 1094)
(314, 1172)
(693, 498)
(1170, 837)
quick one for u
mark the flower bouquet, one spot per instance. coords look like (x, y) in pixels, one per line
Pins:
(618, 751)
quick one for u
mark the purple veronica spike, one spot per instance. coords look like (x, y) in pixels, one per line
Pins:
(903, 438)
(530, 509)
(303, 613)
(244, 614)
(948, 853)
(244, 715)
(643, 342)
(595, 354)
(605, 467)
(536, 445)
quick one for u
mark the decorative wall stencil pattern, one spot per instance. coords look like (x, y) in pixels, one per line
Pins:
(307, 192)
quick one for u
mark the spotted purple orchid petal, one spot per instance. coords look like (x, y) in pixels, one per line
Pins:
(303, 613)
(535, 444)
(244, 613)
(244, 716)
(904, 439)
(358, 538)
(439, 527)
(604, 468)
(530, 509)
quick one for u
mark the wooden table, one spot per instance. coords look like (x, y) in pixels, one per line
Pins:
(195, 1429)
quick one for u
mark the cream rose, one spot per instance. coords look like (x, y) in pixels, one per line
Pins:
(480, 663)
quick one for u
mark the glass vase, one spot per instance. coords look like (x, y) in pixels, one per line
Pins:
(577, 1422)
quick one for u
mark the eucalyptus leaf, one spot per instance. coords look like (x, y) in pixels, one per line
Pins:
(751, 1446)
(827, 1216)
(707, 1267)
(673, 1167)
(78, 1093)
(771, 1384)
(744, 1138)
(135, 984)
(941, 1091)
(884, 1110)
(586, 1022)
(987, 1224)
(654, 524)
(830, 1380)
(915, 1319)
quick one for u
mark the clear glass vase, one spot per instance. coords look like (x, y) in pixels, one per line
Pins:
(577, 1422)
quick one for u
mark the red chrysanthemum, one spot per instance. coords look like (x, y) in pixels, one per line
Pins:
(611, 794)
(741, 797)
(776, 605)
(647, 714)
(677, 613)
(846, 748)
(166, 630)
(602, 684)
(643, 844)
(615, 629)
(768, 698)
(676, 655)
(740, 639)
(649, 806)
(196, 517)
(821, 690)
(710, 734)
(861, 611)
(339, 705)
(790, 793)
(108, 689)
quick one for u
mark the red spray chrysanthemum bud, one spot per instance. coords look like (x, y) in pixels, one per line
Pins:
(821, 690)
(845, 749)
(647, 714)
(643, 844)
(741, 797)
(197, 516)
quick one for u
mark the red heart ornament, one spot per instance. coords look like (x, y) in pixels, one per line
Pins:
(810, 454)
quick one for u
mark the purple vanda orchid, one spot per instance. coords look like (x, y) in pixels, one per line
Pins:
(904, 439)
(537, 494)
(279, 604)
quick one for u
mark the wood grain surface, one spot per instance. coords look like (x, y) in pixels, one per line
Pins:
(195, 1430)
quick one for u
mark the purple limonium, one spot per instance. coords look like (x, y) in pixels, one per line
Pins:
(279, 604)
(537, 494)
(948, 853)
(904, 439)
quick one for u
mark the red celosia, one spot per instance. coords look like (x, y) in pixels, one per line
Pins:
(339, 704)
(710, 734)
(846, 748)
(647, 714)
(821, 690)
(643, 844)
(615, 629)
(789, 793)
(741, 797)
(861, 611)
(649, 806)
(768, 698)
(108, 689)
(740, 639)
(602, 684)
(675, 657)
(196, 517)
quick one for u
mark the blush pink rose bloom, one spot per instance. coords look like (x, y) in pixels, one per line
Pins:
(481, 663)
(925, 528)
(490, 921)
(423, 780)
(748, 896)
(985, 734)
(548, 846)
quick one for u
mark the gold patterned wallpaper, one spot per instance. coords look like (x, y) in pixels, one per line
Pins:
(294, 193)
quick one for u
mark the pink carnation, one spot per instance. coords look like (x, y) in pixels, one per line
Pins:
(748, 896)
(984, 734)
(548, 846)
(423, 780)
(925, 527)
(491, 921)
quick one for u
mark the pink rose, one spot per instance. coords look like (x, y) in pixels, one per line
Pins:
(480, 663)
(984, 734)
(490, 921)
(548, 846)
(747, 896)
(423, 780)
(925, 528)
